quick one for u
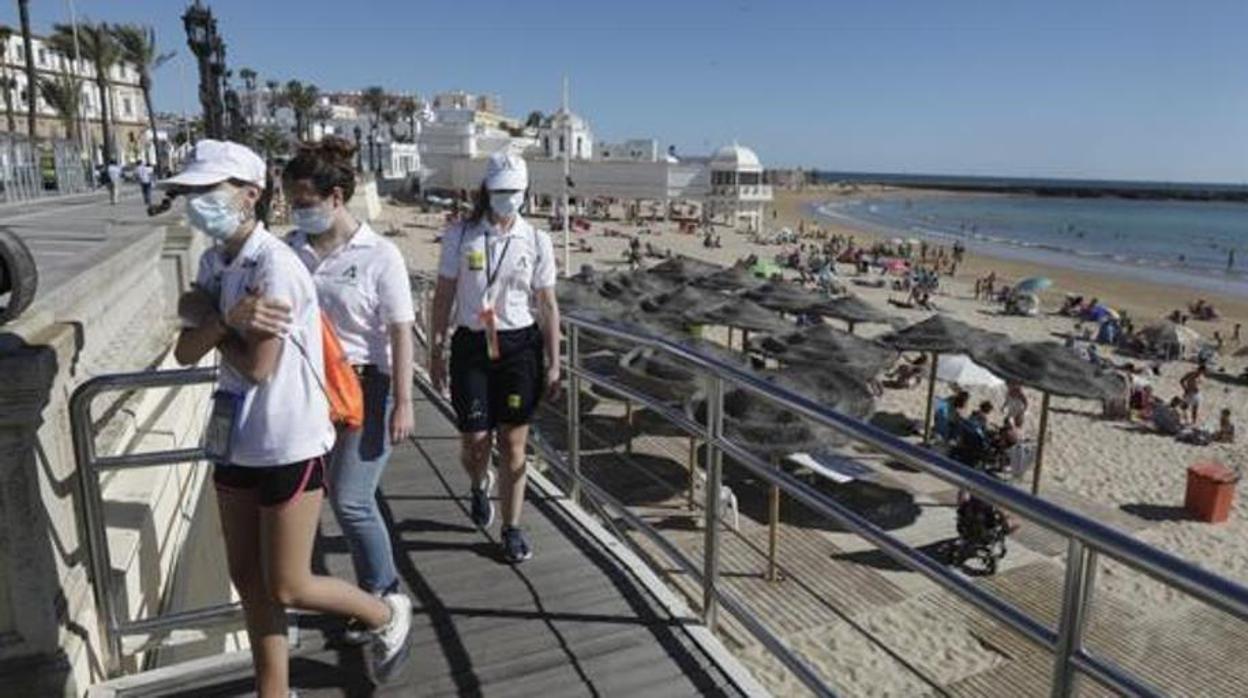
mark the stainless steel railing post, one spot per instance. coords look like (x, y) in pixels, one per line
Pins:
(1070, 627)
(574, 411)
(714, 476)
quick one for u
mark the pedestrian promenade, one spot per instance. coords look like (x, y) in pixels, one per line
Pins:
(576, 620)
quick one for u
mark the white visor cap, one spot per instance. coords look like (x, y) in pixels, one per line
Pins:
(506, 171)
(214, 162)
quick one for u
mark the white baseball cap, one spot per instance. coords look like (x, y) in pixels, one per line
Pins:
(506, 171)
(214, 162)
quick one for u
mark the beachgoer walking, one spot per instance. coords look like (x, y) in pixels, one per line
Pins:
(363, 288)
(1015, 407)
(113, 171)
(495, 267)
(143, 173)
(1230, 259)
(1191, 391)
(270, 429)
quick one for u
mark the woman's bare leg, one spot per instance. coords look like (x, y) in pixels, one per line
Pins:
(266, 619)
(289, 531)
(474, 455)
(512, 475)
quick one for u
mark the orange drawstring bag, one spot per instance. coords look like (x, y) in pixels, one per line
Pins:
(342, 386)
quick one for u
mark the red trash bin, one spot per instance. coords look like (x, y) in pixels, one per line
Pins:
(1210, 488)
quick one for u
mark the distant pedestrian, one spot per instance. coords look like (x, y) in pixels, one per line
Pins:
(143, 173)
(114, 180)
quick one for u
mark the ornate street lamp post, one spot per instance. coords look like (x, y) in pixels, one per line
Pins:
(209, 49)
(359, 152)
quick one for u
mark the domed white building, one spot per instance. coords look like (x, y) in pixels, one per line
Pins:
(739, 193)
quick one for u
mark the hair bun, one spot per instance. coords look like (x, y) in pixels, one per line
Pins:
(339, 150)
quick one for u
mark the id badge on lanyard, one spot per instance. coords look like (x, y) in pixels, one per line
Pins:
(488, 315)
(222, 426)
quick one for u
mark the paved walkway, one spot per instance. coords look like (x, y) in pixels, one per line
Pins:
(69, 234)
(573, 621)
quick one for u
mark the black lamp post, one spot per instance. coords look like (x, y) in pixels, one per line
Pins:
(209, 49)
(359, 152)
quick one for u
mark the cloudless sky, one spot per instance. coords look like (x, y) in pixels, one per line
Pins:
(1137, 89)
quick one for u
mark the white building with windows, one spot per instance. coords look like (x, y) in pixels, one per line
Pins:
(565, 130)
(739, 192)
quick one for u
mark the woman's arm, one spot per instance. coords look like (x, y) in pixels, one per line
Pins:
(254, 354)
(548, 308)
(443, 297)
(401, 419)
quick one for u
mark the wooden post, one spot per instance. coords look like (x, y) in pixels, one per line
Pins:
(693, 468)
(931, 400)
(1044, 432)
(628, 426)
(773, 533)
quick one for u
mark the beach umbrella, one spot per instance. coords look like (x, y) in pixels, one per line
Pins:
(1034, 284)
(852, 310)
(731, 280)
(739, 313)
(633, 285)
(826, 346)
(960, 370)
(896, 266)
(1053, 370)
(683, 269)
(784, 297)
(941, 334)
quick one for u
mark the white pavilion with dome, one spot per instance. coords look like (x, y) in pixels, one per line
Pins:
(739, 193)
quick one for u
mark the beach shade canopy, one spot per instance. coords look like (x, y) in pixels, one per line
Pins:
(1033, 284)
(1051, 368)
(1165, 332)
(784, 297)
(666, 377)
(960, 370)
(823, 345)
(683, 269)
(739, 313)
(941, 334)
(852, 310)
(626, 286)
(731, 280)
(772, 432)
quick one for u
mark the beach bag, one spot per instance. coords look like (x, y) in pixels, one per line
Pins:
(342, 385)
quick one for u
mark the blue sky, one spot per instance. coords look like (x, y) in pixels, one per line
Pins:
(1136, 90)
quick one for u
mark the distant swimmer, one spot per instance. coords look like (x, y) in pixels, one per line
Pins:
(1230, 260)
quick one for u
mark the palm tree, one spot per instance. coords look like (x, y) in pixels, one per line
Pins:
(375, 100)
(391, 117)
(249, 86)
(302, 100)
(275, 97)
(100, 47)
(64, 94)
(271, 141)
(7, 82)
(535, 119)
(23, 7)
(138, 47)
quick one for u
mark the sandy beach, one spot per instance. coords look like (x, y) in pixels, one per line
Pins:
(1107, 463)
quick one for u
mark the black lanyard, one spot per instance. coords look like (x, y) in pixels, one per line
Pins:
(490, 278)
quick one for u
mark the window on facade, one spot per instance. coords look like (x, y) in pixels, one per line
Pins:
(749, 178)
(546, 143)
(578, 146)
(561, 144)
(127, 107)
(43, 57)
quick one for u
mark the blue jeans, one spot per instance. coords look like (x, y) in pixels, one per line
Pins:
(355, 467)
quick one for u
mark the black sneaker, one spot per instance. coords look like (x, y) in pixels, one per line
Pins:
(515, 545)
(482, 507)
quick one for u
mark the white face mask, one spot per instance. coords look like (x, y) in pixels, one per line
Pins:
(505, 204)
(214, 213)
(312, 220)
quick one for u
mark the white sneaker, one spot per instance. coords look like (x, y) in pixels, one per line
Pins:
(392, 642)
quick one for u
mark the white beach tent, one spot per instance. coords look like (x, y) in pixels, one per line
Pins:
(960, 370)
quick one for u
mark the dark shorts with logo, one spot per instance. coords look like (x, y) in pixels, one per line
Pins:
(488, 393)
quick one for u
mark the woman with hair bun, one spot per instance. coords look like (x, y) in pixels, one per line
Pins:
(363, 287)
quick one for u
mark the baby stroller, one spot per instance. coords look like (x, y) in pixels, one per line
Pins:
(982, 527)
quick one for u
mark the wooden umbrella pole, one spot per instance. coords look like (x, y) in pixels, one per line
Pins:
(693, 469)
(730, 337)
(773, 531)
(1044, 432)
(931, 400)
(628, 426)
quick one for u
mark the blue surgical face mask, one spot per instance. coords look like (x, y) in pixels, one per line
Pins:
(312, 220)
(506, 203)
(214, 214)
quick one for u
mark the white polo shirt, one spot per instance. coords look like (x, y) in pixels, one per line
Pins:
(520, 261)
(285, 419)
(363, 287)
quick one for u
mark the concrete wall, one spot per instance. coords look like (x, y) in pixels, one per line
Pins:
(117, 316)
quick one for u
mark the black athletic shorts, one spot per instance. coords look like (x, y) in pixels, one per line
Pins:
(488, 393)
(275, 484)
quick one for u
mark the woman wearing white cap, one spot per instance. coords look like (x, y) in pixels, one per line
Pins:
(494, 267)
(270, 427)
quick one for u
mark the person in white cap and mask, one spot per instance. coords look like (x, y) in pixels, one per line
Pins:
(494, 268)
(270, 429)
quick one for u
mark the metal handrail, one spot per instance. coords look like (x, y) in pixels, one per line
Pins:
(89, 465)
(1086, 537)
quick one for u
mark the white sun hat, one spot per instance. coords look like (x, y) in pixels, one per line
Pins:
(214, 162)
(506, 171)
